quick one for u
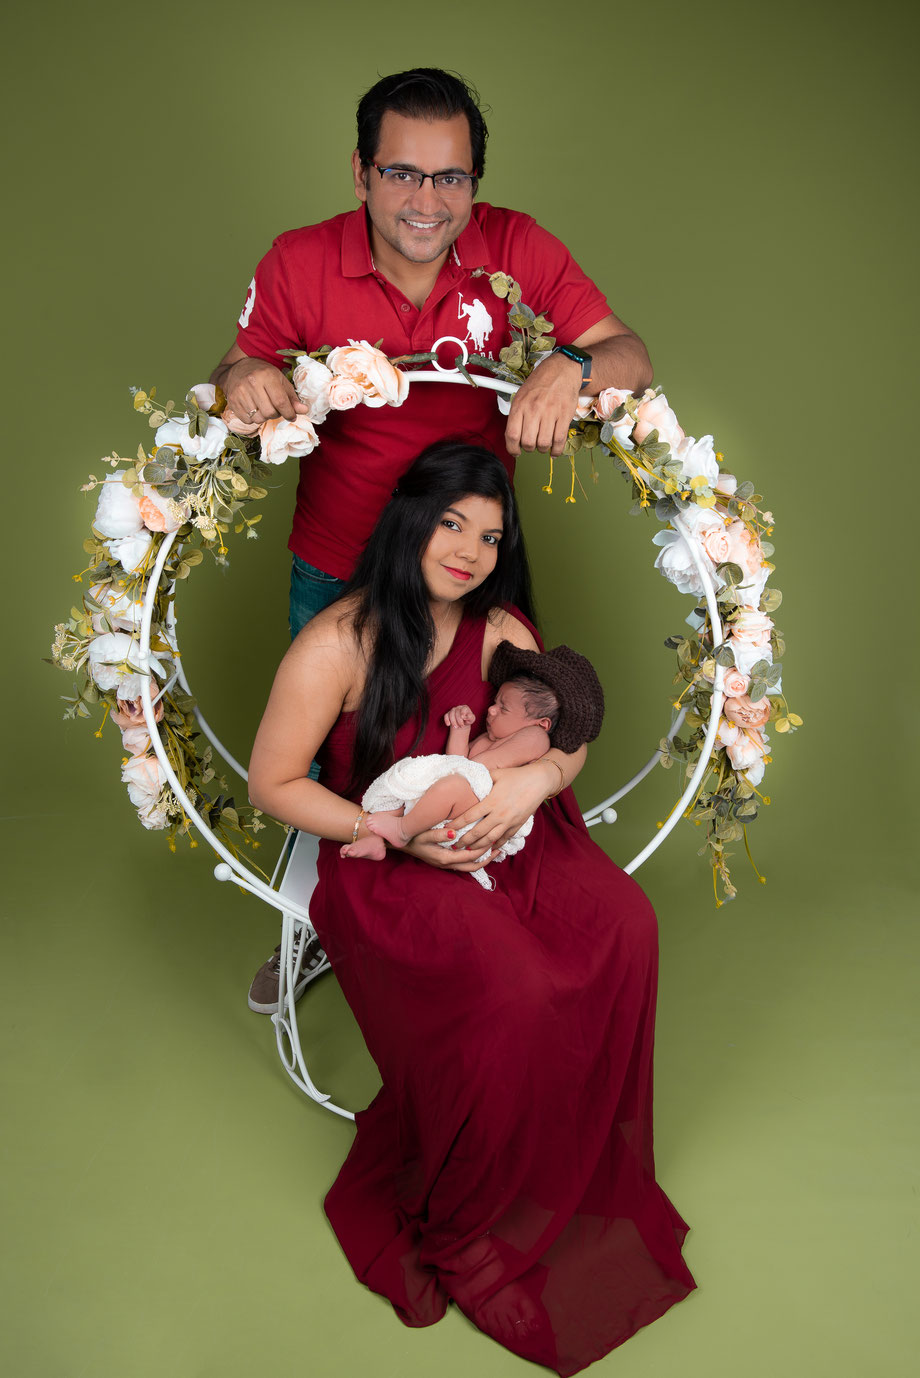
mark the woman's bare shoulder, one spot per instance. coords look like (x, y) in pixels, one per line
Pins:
(329, 639)
(504, 626)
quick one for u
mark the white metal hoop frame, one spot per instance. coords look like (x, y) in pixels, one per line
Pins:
(294, 876)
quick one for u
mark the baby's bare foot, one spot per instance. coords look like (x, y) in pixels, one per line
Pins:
(366, 849)
(385, 825)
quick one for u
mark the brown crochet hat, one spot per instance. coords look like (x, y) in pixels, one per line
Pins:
(572, 679)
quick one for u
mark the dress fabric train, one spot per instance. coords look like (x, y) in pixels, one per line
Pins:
(506, 1163)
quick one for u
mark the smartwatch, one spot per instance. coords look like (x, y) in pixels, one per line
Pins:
(580, 356)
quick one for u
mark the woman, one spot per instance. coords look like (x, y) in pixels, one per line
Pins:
(506, 1164)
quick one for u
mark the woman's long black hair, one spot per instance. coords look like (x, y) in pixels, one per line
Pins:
(393, 616)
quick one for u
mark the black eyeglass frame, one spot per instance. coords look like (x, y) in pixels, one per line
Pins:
(423, 176)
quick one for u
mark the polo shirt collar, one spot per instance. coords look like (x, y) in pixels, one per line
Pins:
(469, 250)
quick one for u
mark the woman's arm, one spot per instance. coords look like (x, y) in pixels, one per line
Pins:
(314, 680)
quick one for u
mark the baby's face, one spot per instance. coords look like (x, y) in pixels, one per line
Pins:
(507, 714)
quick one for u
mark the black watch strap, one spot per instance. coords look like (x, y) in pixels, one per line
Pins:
(580, 356)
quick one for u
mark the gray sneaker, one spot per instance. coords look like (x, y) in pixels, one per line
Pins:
(263, 993)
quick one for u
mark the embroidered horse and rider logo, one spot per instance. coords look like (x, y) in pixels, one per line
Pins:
(478, 322)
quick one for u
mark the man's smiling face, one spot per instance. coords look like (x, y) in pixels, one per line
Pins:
(417, 224)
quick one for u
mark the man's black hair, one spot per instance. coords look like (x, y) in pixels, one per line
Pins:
(423, 93)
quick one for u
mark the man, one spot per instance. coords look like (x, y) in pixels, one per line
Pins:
(408, 267)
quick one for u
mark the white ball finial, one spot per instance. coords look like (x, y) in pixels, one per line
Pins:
(222, 871)
(609, 815)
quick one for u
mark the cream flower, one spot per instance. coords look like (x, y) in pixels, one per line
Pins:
(749, 747)
(117, 511)
(281, 438)
(114, 664)
(698, 459)
(201, 447)
(311, 381)
(136, 740)
(751, 628)
(145, 779)
(131, 551)
(380, 382)
(123, 611)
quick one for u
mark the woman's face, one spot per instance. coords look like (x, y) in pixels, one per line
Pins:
(463, 551)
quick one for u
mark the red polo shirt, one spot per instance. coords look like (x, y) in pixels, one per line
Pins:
(318, 286)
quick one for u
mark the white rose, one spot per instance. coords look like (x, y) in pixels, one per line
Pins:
(311, 381)
(118, 510)
(123, 610)
(726, 483)
(205, 394)
(114, 664)
(208, 446)
(747, 655)
(282, 438)
(754, 773)
(677, 564)
(698, 459)
(131, 551)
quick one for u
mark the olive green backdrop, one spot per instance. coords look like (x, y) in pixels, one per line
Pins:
(736, 177)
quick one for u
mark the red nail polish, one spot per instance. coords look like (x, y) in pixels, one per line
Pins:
(451, 834)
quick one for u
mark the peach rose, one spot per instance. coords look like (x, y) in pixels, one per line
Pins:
(344, 393)
(237, 425)
(162, 514)
(735, 683)
(715, 543)
(145, 779)
(739, 709)
(744, 548)
(130, 713)
(605, 404)
(656, 415)
(281, 438)
(136, 740)
(381, 384)
(608, 400)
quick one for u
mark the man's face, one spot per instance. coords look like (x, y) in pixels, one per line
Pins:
(418, 224)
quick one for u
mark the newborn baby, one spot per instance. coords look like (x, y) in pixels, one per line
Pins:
(422, 792)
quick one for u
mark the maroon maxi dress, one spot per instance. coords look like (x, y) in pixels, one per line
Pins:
(506, 1163)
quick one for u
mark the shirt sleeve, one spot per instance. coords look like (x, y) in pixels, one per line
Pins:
(266, 322)
(554, 285)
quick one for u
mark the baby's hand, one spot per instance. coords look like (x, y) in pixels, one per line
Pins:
(461, 716)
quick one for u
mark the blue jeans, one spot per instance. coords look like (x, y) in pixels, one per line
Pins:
(311, 591)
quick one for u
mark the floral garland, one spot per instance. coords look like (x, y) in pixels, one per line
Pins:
(202, 477)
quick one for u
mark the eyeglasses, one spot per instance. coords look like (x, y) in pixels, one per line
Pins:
(445, 183)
